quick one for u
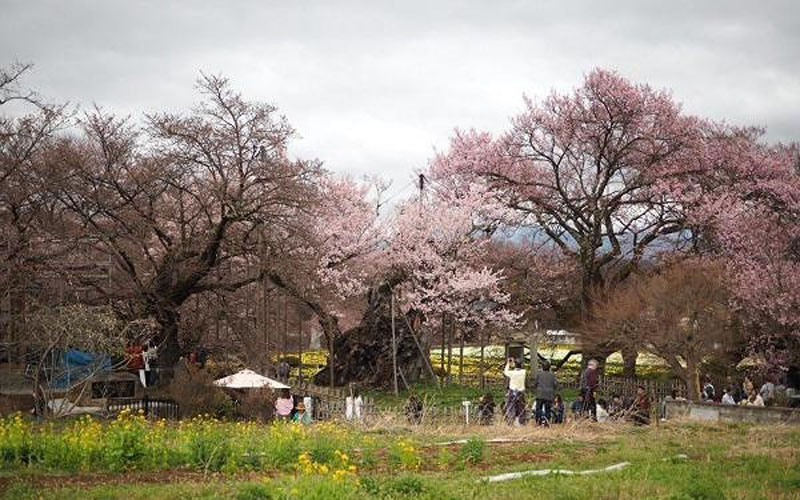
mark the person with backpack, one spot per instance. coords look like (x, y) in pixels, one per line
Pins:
(767, 392)
(545, 386)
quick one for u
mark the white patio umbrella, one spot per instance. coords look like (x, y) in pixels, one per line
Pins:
(248, 379)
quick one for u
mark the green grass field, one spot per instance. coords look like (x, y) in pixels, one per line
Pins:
(397, 462)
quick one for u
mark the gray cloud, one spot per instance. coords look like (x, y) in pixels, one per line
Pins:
(376, 86)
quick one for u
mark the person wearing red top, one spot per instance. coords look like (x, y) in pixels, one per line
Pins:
(135, 358)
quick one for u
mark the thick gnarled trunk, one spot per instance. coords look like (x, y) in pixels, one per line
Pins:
(169, 349)
(363, 355)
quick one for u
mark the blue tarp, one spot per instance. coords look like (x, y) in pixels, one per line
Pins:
(75, 366)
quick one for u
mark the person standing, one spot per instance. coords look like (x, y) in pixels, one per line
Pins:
(283, 370)
(590, 378)
(284, 405)
(149, 355)
(515, 397)
(135, 360)
(767, 392)
(545, 386)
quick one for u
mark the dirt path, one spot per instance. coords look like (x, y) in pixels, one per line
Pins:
(87, 479)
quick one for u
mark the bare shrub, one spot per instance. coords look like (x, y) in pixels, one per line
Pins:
(194, 391)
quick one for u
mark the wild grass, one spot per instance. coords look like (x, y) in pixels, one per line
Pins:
(674, 461)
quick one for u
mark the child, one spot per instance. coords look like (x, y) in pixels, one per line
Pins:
(558, 410)
(577, 406)
(602, 413)
(486, 409)
(301, 416)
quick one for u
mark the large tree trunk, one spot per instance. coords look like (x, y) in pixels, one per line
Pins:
(169, 349)
(629, 356)
(692, 379)
(363, 355)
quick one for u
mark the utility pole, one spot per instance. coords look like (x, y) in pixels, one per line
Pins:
(421, 189)
(330, 361)
(299, 345)
(394, 349)
(441, 358)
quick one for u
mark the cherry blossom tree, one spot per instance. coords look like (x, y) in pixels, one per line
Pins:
(578, 170)
(333, 255)
(429, 254)
(743, 198)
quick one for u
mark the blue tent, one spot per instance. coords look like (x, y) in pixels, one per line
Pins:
(75, 366)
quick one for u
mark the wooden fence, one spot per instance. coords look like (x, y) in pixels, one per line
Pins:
(607, 385)
(154, 408)
(331, 403)
(430, 415)
(307, 388)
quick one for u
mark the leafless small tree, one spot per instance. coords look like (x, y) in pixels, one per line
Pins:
(53, 331)
(680, 314)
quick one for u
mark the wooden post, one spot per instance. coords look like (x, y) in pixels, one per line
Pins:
(394, 350)
(483, 359)
(267, 322)
(450, 350)
(330, 361)
(533, 348)
(285, 325)
(442, 353)
(299, 346)
(264, 319)
(461, 357)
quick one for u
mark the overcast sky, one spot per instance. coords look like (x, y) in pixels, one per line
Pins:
(378, 86)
